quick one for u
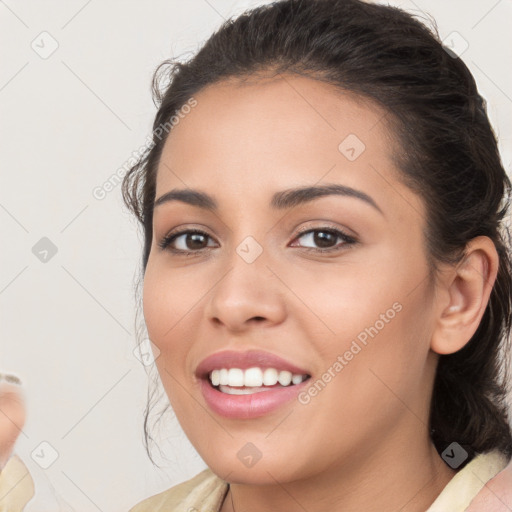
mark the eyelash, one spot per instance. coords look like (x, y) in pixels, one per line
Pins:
(167, 240)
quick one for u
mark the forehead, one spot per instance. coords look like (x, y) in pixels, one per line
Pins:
(280, 113)
(256, 137)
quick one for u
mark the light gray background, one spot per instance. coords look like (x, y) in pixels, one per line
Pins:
(68, 123)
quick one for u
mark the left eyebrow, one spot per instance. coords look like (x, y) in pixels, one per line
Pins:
(282, 200)
(296, 196)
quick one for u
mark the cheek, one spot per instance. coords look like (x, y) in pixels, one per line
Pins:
(345, 300)
(385, 355)
(173, 303)
(367, 375)
(166, 301)
(375, 313)
(154, 303)
(164, 310)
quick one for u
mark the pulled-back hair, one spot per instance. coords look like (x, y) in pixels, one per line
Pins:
(446, 152)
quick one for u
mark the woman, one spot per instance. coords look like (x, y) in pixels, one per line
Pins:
(326, 275)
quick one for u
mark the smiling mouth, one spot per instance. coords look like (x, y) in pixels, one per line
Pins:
(237, 381)
(250, 385)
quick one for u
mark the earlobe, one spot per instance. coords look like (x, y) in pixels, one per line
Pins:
(466, 290)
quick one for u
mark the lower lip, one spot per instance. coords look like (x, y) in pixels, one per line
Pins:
(249, 406)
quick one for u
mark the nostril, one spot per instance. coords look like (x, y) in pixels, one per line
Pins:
(257, 319)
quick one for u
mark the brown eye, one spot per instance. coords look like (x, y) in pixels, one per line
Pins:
(325, 239)
(185, 241)
(194, 240)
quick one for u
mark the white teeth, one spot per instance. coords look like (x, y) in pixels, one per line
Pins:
(285, 378)
(296, 379)
(235, 377)
(270, 376)
(253, 377)
(224, 377)
(215, 377)
(240, 391)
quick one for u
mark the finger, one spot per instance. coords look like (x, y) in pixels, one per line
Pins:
(12, 414)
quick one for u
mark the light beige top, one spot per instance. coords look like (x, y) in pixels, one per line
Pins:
(16, 486)
(206, 491)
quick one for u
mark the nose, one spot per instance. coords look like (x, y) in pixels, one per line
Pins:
(247, 294)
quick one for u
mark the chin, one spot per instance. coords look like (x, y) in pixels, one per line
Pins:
(261, 472)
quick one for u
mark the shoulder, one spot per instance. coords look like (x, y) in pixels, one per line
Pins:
(205, 491)
(469, 481)
(496, 495)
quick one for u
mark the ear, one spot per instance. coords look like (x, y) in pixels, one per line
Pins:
(462, 295)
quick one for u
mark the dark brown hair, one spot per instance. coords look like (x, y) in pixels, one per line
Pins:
(447, 153)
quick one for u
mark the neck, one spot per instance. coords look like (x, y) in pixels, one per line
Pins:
(392, 480)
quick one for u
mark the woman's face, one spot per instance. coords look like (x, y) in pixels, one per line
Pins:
(356, 318)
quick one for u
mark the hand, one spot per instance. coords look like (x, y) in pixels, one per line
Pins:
(496, 496)
(12, 415)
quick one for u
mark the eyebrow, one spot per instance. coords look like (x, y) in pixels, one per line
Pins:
(280, 200)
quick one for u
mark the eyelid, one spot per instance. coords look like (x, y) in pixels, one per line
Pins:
(319, 225)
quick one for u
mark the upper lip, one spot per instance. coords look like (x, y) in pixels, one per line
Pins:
(244, 360)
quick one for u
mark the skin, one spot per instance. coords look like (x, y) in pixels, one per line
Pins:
(12, 419)
(362, 443)
(496, 495)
